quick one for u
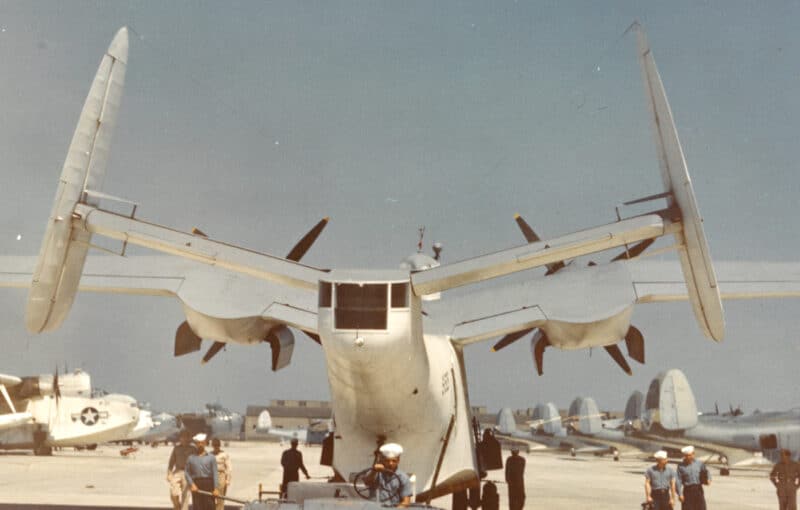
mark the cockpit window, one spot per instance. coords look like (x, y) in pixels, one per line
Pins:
(361, 306)
(399, 295)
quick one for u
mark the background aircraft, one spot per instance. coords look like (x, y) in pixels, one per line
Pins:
(165, 427)
(669, 414)
(215, 421)
(40, 412)
(314, 433)
(547, 432)
(245, 297)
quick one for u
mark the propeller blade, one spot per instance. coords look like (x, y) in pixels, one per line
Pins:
(616, 354)
(56, 387)
(186, 340)
(212, 351)
(305, 243)
(539, 343)
(531, 237)
(634, 341)
(526, 229)
(510, 339)
(635, 251)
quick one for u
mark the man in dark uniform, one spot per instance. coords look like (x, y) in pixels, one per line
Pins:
(692, 475)
(659, 483)
(202, 474)
(178, 488)
(785, 476)
(515, 478)
(292, 461)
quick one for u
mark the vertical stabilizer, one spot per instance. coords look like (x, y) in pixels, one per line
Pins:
(698, 272)
(63, 252)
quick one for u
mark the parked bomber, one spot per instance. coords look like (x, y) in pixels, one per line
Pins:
(314, 433)
(42, 412)
(165, 427)
(668, 414)
(550, 431)
(216, 421)
(366, 320)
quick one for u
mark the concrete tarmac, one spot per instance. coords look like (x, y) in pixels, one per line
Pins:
(105, 479)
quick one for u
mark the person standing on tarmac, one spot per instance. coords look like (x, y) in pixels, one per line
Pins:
(659, 483)
(692, 475)
(515, 478)
(785, 476)
(224, 471)
(292, 462)
(178, 489)
(201, 475)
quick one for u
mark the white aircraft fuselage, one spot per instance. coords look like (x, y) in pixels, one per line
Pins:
(72, 421)
(391, 383)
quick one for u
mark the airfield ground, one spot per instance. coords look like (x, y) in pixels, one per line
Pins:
(105, 479)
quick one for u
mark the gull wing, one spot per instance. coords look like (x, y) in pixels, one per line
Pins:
(572, 295)
(213, 291)
(567, 296)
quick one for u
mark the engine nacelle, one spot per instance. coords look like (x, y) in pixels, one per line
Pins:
(75, 384)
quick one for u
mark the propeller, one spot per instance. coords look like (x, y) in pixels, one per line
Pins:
(634, 340)
(510, 339)
(531, 237)
(187, 340)
(56, 387)
(616, 354)
(305, 243)
(215, 348)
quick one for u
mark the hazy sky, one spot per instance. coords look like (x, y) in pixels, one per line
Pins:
(252, 120)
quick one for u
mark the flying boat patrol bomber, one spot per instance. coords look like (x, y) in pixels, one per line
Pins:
(365, 321)
(41, 412)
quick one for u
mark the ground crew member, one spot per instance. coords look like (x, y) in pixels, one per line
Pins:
(785, 476)
(659, 483)
(201, 474)
(389, 485)
(515, 478)
(692, 475)
(292, 461)
(178, 489)
(224, 471)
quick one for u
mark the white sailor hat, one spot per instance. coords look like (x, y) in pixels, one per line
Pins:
(391, 450)
(660, 454)
(687, 450)
(199, 437)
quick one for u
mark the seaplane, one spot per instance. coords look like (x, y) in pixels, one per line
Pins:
(393, 339)
(42, 412)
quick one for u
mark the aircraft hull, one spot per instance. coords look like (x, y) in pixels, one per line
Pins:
(396, 385)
